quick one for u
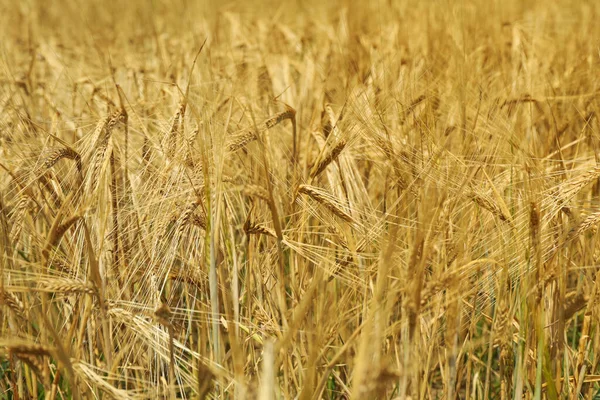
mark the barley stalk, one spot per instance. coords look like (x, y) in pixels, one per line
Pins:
(327, 200)
(13, 302)
(240, 140)
(65, 286)
(54, 155)
(327, 158)
(488, 204)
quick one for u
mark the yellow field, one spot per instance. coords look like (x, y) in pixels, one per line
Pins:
(299, 200)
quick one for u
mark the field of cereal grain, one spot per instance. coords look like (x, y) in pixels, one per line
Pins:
(299, 200)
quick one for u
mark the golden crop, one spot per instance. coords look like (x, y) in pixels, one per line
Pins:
(299, 200)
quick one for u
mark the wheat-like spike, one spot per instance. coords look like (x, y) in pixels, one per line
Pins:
(163, 314)
(251, 228)
(100, 128)
(361, 245)
(199, 220)
(59, 263)
(28, 352)
(487, 204)
(176, 129)
(87, 373)
(98, 161)
(22, 346)
(588, 223)
(33, 361)
(115, 118)
(118, 313)
(189, 159)
(384, 145)
(55, 154)
(388, 151)
(341, 238)
(13, 302)
(319, 137)
(65, 286)
(22, 179)
(187, 216)
(327, 158)
(432, 288)
(102, 147)
(575, 302)
(534, 220)
(327, 120)
(241, 140)
(570, 188)
(257, 191)
(331, 119)
(327, 200)
(502, 320)
(57, 234)
(248, 135)
(451, 253)
(17, 214)
(46, 180)
(20, 206)
(289, 113)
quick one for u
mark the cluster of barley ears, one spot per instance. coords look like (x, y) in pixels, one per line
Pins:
(319, 200)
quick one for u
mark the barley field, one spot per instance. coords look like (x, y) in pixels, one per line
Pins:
(299, 200)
